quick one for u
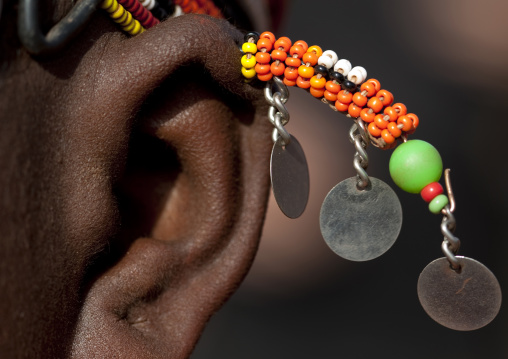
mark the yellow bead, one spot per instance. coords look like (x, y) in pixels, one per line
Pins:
(122, 21)
(118, 13)
(249, 48)
(137, 28)
(106, 4)
(114, 6)
(306, 71)
(130, 25)
(315, 49)
(248, 63)
(128, 19)
(248, 73)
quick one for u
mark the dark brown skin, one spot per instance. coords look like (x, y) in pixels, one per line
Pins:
(134, 184)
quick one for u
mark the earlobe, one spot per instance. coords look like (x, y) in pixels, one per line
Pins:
(191, 194)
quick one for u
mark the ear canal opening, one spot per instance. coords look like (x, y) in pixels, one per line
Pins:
(150, 174)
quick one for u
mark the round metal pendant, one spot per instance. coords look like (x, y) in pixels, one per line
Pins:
(290, 177)
(467, 300)
(360, 225)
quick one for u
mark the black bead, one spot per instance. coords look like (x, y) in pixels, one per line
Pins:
(348, 85)
(251, 34)
(168, 5)
(159, 12)
(337, 76)
(319, 69)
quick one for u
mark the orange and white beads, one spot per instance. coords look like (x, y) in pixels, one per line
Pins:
(344, 87)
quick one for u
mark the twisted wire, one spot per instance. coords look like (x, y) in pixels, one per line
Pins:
(451, 244)
(358, 136)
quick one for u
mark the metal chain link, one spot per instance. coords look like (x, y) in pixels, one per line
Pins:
(359, 137)
(451, 244)
(277, 94)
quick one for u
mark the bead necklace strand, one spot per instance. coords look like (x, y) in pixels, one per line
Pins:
(134, 17)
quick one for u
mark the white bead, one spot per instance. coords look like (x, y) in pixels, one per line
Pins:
(342, 66)
(364, 72)
(357, 75)
(178, 11)
(325, 61)
(328, 59)
(151, 5)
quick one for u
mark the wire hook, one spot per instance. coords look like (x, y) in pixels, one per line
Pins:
(31, 36)
(449, 190)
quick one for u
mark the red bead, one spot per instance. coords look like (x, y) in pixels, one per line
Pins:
(430, 191)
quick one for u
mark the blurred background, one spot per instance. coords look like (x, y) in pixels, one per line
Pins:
(447, 61)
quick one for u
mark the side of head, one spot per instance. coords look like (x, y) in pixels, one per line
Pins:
(134, 187)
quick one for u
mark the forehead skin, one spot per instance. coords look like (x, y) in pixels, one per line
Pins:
(113, 210)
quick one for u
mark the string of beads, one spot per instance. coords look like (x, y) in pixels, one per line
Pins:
(122, 17)
(140, 12)
(415, 166)
(134, 16)
(345, 88)
(199, 7)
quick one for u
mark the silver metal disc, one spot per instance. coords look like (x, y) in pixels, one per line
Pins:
(360, 225)
(290, 177)
(467, 300)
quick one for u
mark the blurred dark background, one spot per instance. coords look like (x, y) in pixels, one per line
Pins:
(448, 62)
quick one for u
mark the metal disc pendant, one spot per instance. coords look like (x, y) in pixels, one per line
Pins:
(290, 177)
(465, 300)
(360, 225)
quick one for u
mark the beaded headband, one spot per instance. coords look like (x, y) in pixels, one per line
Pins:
(353, 205)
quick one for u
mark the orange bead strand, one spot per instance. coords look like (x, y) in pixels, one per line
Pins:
(295, 64)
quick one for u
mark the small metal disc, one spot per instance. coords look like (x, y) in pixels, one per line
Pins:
(290, 177)
(464, 300)
(360, 225)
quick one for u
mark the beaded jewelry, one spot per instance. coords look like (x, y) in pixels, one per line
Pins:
(355, 203)
(352, 206)
(134, 16)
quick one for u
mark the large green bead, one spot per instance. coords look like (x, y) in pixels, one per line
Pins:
(415, 164)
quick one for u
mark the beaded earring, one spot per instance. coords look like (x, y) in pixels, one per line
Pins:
(457, 292)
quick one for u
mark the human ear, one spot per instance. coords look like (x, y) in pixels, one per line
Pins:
(177, 204)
